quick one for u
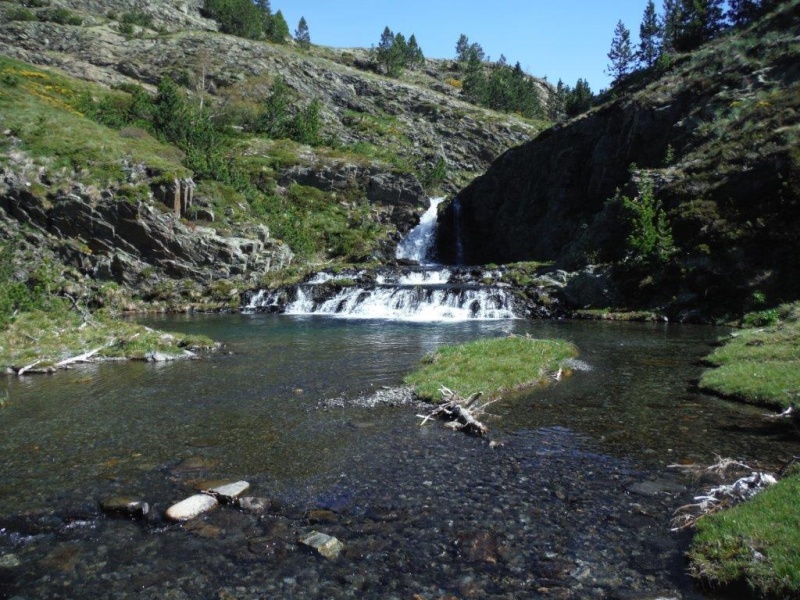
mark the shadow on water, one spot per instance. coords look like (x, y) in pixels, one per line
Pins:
(575, 503)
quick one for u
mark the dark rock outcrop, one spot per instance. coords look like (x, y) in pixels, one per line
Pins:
(717, 135)
(114, 238)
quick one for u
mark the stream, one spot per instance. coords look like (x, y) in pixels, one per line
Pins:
(574, 502)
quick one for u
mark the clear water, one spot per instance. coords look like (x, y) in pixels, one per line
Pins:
(421, 510)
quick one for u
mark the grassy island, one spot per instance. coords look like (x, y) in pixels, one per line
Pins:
(755, 545)
(46, 340)
(490, 366)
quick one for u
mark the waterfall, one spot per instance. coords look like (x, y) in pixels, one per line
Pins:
(422, 303)
(417, 245)
(425, 293)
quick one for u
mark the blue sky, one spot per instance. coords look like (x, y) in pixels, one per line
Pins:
(564, 39)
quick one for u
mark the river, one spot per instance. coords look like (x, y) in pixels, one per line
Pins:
(574, 503)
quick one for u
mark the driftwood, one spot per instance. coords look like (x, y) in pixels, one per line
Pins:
(460, 412)
(63, 364)
(722, 496)
(26, 368)
(82, 357)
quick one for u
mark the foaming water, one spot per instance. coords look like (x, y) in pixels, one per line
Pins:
(417, 245)
(408, 304)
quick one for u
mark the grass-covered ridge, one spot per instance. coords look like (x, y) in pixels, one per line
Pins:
(753, 545)
(490, 366)
(760, 365)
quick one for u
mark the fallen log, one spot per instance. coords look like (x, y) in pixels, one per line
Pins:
(82, 357)
(461, 413)
(26, 368)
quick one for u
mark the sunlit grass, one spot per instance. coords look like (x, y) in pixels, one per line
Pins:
(490, 366)
(755, 543)
(760, 365)
(55, 336)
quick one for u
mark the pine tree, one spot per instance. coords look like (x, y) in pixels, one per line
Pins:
(278, 29)
(621, 53)
(743, 12)
(579, 99)
(671, 24)
(236, 17)
(700, 21)
(649, 37)
(415, 57)
(555, 107)
(265, 16)
(462, 46)
(302, 35)
(384, 53)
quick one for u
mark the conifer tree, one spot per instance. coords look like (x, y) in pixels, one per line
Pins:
(671, 24)
(700, 21)
(555, 107)
(621, 53)
(579, 99)
(278, 29)
(415, 57)
(265, 16)
(462, 46)
(302, 35)
(650, 33)
(743, 12)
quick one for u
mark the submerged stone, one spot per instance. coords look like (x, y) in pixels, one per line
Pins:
(323, 544)
(254, 505)
(192, 507)
(125, 505)
(230, 491)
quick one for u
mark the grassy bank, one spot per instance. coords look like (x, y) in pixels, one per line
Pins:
(760, 365)
(754, 545)
(753, 548)
(46, 338)
(490, 366)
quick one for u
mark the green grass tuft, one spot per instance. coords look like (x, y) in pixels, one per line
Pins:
(754, 544)
(490, 366)
(760, 365)
(51, 337)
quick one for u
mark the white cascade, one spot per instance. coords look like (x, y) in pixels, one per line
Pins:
(417, 245)
(403, 303)
(425, 293)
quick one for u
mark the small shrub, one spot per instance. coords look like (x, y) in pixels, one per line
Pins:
(9, 79)
(126, 29)
(650, 238)
(139, 18)
(62, 16)
(19, 13)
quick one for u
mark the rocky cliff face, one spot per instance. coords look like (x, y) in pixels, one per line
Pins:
(717, 135)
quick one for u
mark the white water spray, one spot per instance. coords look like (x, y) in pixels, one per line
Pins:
(417, 245)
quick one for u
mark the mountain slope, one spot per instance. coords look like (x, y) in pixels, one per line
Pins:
(93, 186)
(717, 135)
